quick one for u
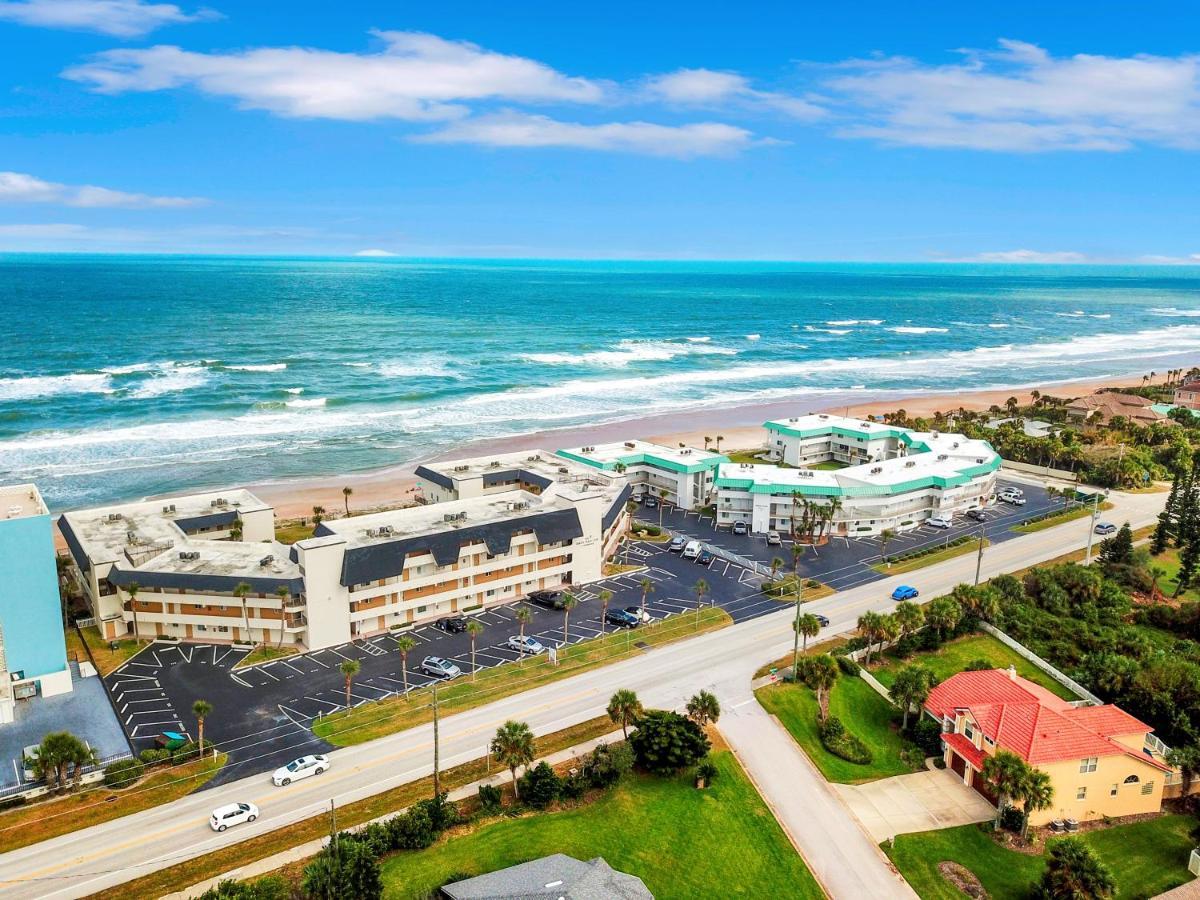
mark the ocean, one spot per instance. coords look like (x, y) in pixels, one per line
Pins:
(125, 376)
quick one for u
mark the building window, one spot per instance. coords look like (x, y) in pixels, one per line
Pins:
(1081, 794)
(1132, 779)
(1148, 788)
(1112, 792)
(1088, 765)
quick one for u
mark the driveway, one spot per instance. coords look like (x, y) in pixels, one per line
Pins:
(923, 801)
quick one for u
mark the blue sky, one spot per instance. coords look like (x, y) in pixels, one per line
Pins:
(857, 131)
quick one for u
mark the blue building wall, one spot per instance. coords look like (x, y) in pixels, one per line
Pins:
(29, 603)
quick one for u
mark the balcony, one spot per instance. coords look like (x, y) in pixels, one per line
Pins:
(296, 622)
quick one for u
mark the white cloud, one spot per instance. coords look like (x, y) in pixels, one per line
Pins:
(416, 77)
(375, 252)
(1028, 256)
(119, 18)
(17, 187)
(1020, 98)
(516, 129)
(1155, 259)
(707, 87)
(44, 230)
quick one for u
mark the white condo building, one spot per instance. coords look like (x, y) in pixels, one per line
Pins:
(891, 478)
(686, 474)
(208, 567)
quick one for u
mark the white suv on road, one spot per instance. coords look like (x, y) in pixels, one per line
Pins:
(232, 814)
(300, 768)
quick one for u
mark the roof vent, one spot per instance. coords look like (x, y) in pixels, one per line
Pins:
(462, 468)
(909, 463)
(876, 470)
(563, 470)
(371, 532)
(537, 457)
(113, 517)
(630, 445)
(942, 457)
(266, 560)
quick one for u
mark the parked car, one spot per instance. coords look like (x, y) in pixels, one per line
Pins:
(524, 644)
(1011, 489)
(300, 768)
(677, 543)
(940, 522)
(691, 550)
(976, 514)
(1014, 499)
(552, 599)
(905, 592)
(641, 614)
(440, 668)
(232, 814)
(1105, 528)
(740, 527)
(773, 539)
(650, 503)
(706, 557)
(452, 624)
(823, 620)
(622, 619)
(29, 757)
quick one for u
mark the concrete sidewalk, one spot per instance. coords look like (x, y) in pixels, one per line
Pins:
(312, 848)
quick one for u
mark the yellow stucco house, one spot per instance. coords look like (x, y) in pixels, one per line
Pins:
(1101, 760)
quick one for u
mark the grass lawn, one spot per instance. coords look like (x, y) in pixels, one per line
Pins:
(265, 653)
(680, 841)
(1169, 560)
(929, 559)
(830, 465)
(951, 658)
(185, 874)
(753, 457)
(862, 711)
(1145, 858)
(373, 720)
(35, 822)
(106, 660)
(290, 532)
(1060, 516)
(784, 589)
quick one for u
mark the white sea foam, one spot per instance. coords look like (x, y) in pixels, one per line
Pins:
(259, 367)
(309, 403)
(358, 365)
(34, 386)
(700, 340)
(816, 330)
(629, 351)
(855, 322)
(293, 390)
(1100, 316)
(918, 329)
(134, 368)
(427, 365)
(170, 380)
(1074, 314)
(998, 325)
(753, 337)
(1175, 311)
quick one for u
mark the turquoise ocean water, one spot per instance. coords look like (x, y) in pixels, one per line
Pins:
(127, 376)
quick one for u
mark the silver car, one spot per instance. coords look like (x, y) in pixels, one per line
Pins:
(440, 668)
(524, 644)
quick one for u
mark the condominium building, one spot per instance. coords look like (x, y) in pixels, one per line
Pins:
(33, 654)
(207, 567)
(683, 476)
(891, 478)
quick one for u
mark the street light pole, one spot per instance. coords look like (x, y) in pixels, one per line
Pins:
(437, 785)
(979, 558)
(1087, 559)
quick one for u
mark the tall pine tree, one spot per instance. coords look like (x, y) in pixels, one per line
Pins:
(1168, 518)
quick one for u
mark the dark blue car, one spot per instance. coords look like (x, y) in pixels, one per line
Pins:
(621, 618)
(905, 592)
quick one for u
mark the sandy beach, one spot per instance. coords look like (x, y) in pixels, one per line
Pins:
(739, 426)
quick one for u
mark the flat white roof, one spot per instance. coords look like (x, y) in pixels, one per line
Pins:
(607, 455)
(542, 462)
(20, 501)
(231, 558)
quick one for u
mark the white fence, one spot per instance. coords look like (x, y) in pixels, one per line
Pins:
(1045, 471)
(1054, 673)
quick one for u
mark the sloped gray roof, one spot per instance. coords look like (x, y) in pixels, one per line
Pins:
(557, 877)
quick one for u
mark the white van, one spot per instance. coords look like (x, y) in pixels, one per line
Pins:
(692, 550)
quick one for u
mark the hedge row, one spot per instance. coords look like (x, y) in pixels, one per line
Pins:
(932, 548)
(840, 742)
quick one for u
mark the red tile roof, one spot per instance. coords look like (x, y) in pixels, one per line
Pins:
(1028, 720)
(964, 748)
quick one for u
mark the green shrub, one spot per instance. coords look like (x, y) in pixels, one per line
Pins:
(271, 887)
(442, 813)
(489, 798)
(838, 741)
(573, 786)
(351, 871)
(411, 830)
(927, 734)
(666, 742)
(123, 772)
(706, 771)
(607, 764)
(154, 755)
(847, 665)
(540, 786)
(978, 665)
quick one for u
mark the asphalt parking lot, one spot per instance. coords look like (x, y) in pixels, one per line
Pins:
(262, 714)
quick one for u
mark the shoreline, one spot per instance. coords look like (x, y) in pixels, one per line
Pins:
(739, 425)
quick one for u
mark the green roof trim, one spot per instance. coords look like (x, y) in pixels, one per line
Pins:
(880, 431)
(646, 459)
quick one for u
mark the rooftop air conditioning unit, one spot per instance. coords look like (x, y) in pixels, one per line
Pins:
(793, 419)
(385, 529)
(449, 517)
(266, 560)
(371, 532)
(494, 464)
(183, 554)
(113, 517)
(954, 446)
(979, 460)
(909, 463)
(875, 470)
(933, 433)
(461, 468)
(131, 537)
(563, 470)
(630, 444)
(166, 509)
(534, 458)
(805, 473)
(942, 457)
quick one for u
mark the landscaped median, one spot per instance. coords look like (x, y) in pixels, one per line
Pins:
(784, 589)
(1145, 859)
(1058, 517)
(105, 657)
(929, 556)
(374, 720)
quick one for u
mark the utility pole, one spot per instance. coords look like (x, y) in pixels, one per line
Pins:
(333, 832)
(437, 783)
(979, 558)
(1087, 559)
(796, 630)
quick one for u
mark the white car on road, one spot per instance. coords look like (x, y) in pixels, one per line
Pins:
(524, 644)
(232, 814)
(300, 768)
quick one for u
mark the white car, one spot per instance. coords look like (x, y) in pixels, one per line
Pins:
(524, 644)
(940, 522)
(692, 550)
(773, 539)
(643, 616)
(440, 668)
(1014, 499)
(300, 768)
(233, 814)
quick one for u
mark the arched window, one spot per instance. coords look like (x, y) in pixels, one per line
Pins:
(1132, 779)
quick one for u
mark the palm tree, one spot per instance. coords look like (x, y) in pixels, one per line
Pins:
(720, 437)
(318, 515)
(513, 746)
(870, 624)
(132, 590)
(349, 669)
(625, 708)
(704, 708)
(820, 673)
(647, 587)
(524, 616)
(798, 552)
(701, 588)
(884, 536)
(58, 752)
(663, 493)
(404, 644)
(776, 565)
(943, 614)
(909, 616)
(605, 598)
(241, 590)
(474, 627)
(1006, 773)
(910, 688)
(346, 492)
(201, 709)
(807, 626)
(236, 530)
(707, 441)
(569, 602)
(284, 592)
(1037, 793)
